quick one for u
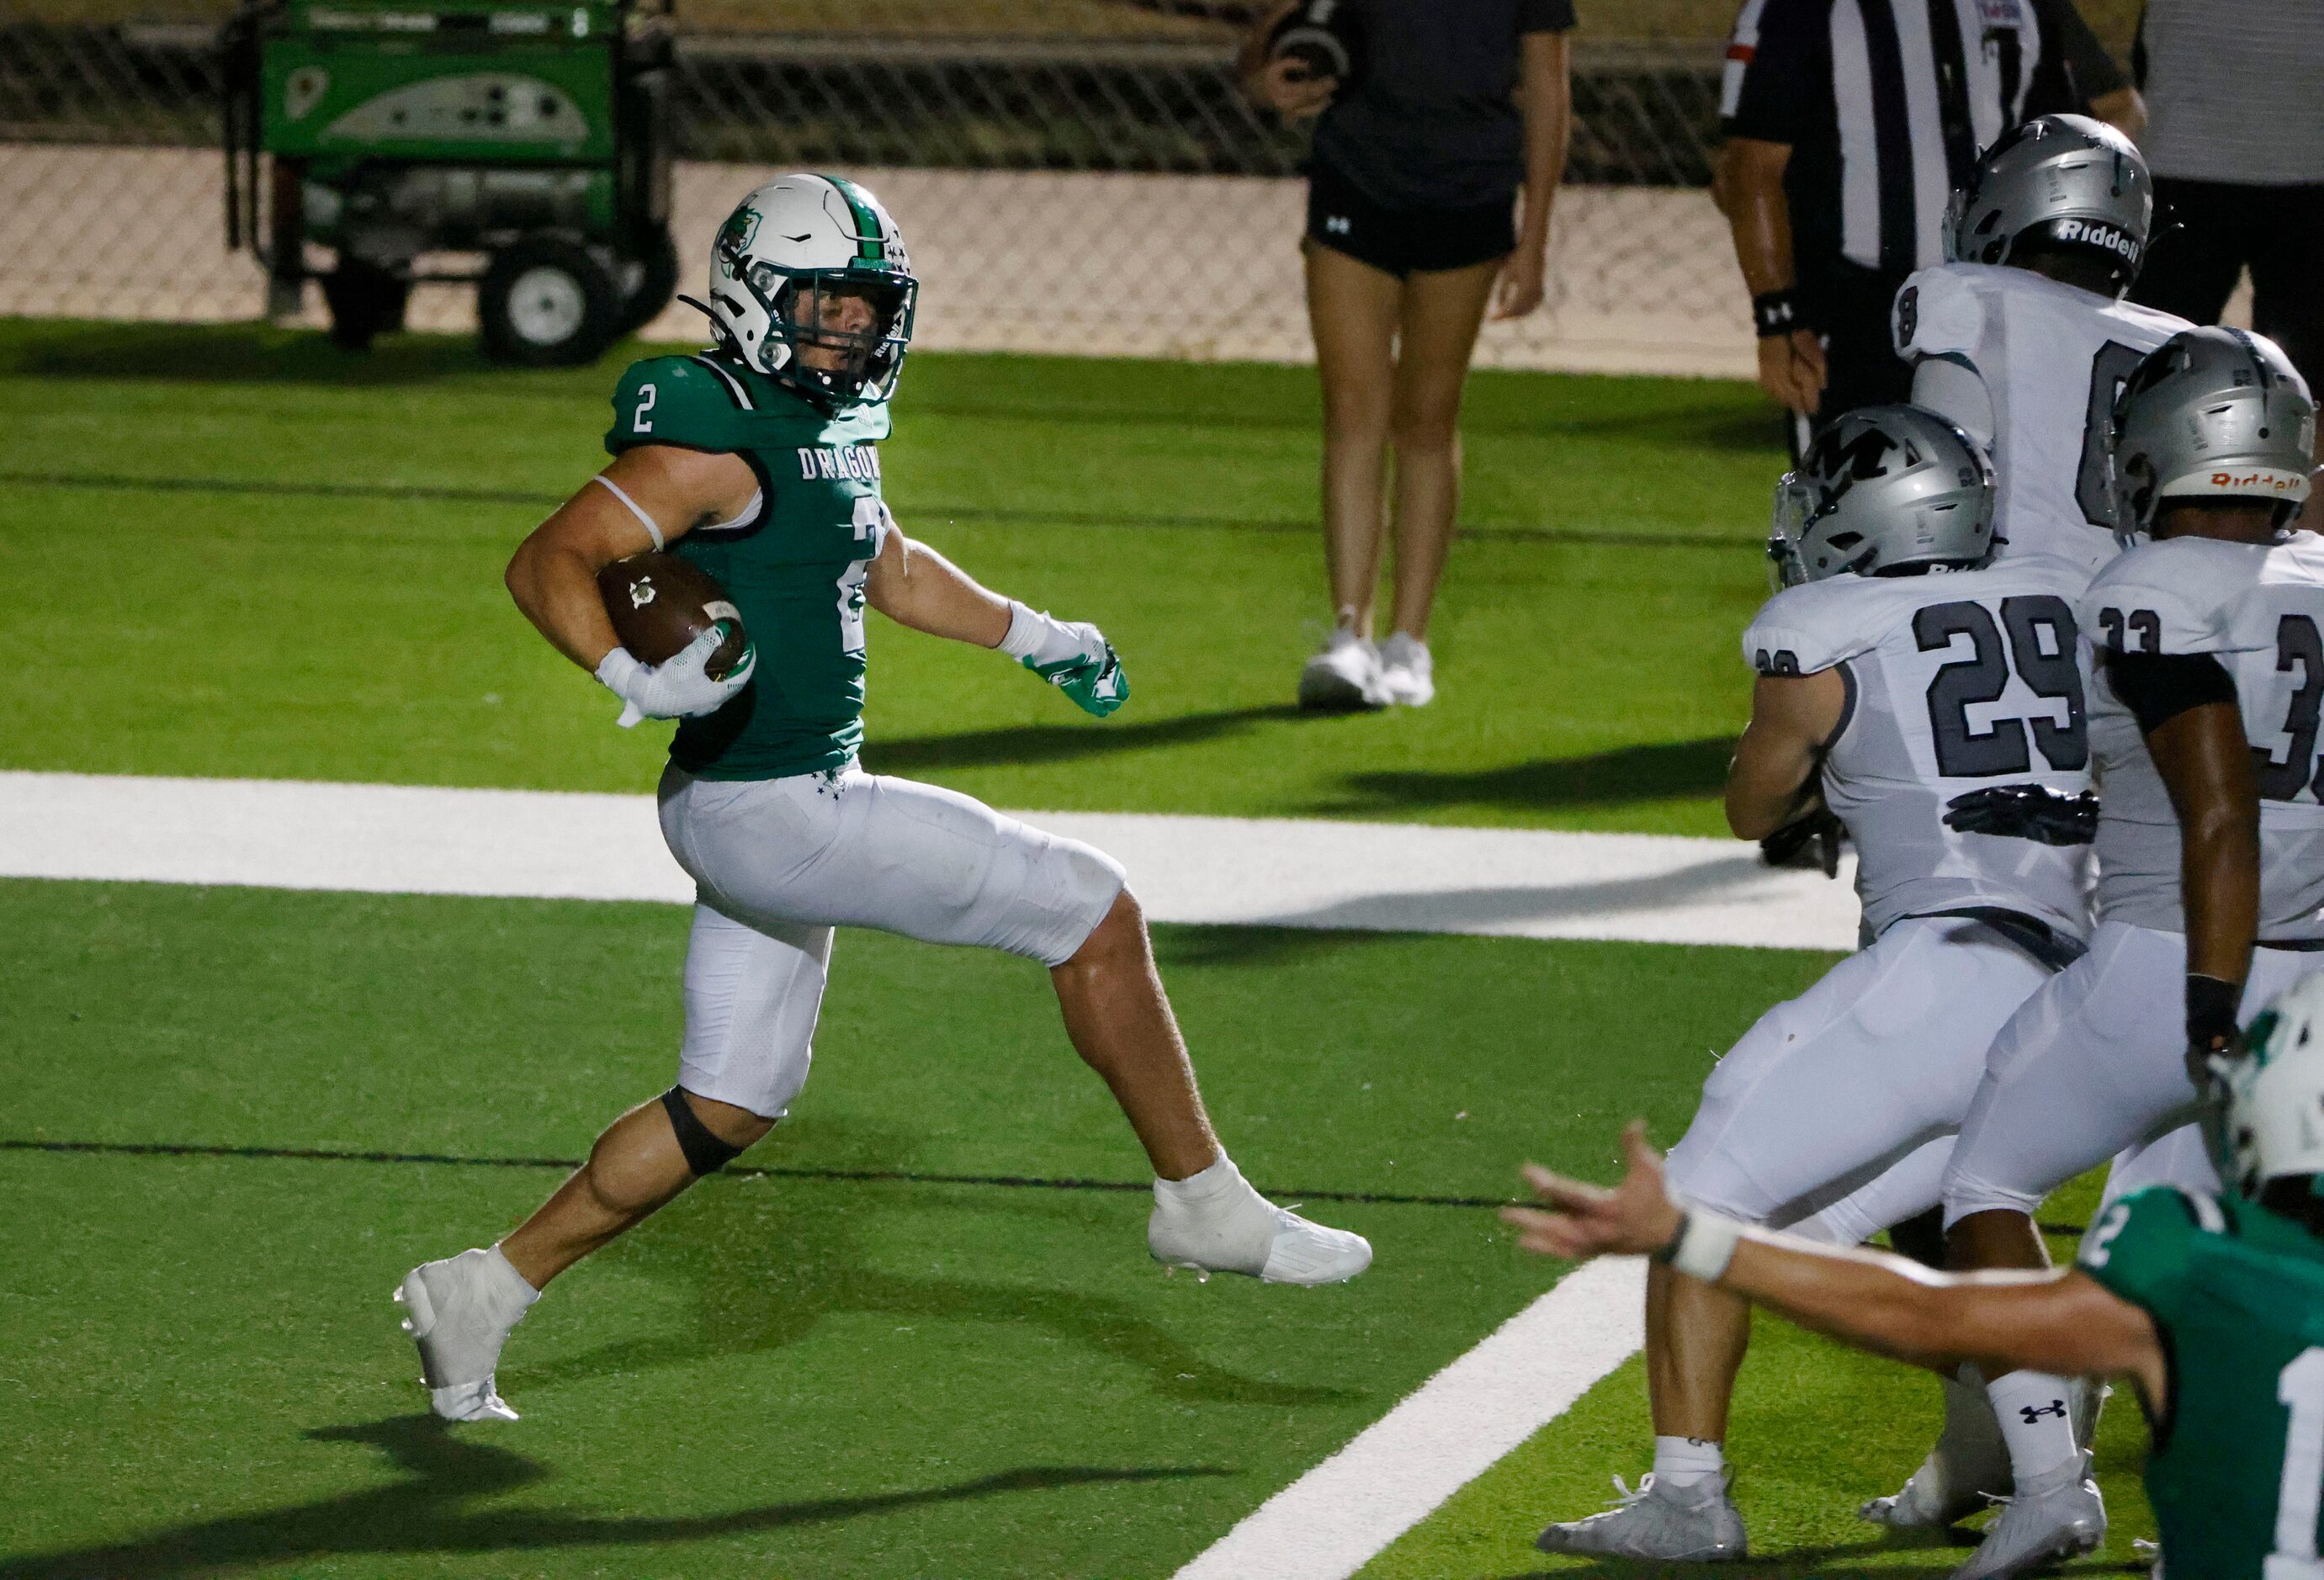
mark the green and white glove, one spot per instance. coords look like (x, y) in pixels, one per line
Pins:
(1075, 657)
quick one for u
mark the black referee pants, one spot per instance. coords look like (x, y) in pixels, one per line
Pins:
(2210, 232)
(1849, 307)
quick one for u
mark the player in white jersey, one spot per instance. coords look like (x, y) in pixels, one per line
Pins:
(2024, 340)
(1933, 701)
(2208, 703)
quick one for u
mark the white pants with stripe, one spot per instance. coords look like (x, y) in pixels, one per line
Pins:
(2094, 1063)
(777, 863)
(1840, 1103)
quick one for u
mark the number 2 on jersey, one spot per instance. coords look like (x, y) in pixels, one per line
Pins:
(2041, 647)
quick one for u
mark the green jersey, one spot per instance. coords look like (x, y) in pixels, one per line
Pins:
(793, 564)
(2236, 1470)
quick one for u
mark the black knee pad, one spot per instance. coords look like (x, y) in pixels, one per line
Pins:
(704, 1152)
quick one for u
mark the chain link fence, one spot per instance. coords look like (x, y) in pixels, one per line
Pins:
(991, 128)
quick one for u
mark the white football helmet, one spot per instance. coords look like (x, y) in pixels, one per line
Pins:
(1883, 489)
(2270, 1100)
(784, 257)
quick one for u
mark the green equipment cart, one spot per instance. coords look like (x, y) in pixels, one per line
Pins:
(531, 138)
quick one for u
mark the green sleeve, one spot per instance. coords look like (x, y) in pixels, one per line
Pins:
(2140, 1249)
(674, 401)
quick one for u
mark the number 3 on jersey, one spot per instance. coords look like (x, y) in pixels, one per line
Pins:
(2041, 650)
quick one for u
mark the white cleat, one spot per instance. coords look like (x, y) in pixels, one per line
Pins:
(2055, 1516)
(1238, 1230)
(1407, 673)
(1965, 1472)
(460, 1312)
(1344, 678)
(1698, 1521)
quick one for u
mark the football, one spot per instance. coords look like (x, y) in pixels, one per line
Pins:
(659, 603)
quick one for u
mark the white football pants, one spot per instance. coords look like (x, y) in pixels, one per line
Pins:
(1846, 1097)
(2094, 1063)
(776, 863)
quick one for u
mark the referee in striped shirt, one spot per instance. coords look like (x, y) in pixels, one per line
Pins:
(1849, 123)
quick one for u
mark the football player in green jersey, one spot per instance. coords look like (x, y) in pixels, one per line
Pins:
(758, 460)
(2212, 1306)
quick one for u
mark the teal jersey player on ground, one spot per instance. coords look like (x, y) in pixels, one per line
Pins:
(2212, 1306)
(2236, 1470)
(759, 461)
(794, 565)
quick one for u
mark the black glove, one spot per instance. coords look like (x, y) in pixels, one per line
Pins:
(2211, 1028)
(2026, 812)
(1813, 842)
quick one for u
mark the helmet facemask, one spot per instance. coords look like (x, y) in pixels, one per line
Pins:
(832, 351)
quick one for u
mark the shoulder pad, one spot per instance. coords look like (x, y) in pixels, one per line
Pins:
(1802, 630)
(684, 400)
(2173, 597)
(1941, 312)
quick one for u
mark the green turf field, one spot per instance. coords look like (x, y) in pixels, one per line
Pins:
(919, 1334)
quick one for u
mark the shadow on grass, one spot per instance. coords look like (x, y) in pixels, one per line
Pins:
(1029, 745)
(767, 1261)
(433, 1511)
(1658, 771)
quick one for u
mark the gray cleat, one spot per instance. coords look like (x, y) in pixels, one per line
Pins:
(1656, 1522)
(2056, 1515)
(1967, 1468)
(459, 1311)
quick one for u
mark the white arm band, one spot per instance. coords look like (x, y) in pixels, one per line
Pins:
(1034, 636)
(644, 520)
(1706, 1244)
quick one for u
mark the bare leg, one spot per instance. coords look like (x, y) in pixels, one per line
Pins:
(1120, 1021)
(634, 1169)
(1352, 309)
(1441, 310)
(1696, 1335)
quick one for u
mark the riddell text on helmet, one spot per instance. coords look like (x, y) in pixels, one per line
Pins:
(2093, 234)
(2279, 482)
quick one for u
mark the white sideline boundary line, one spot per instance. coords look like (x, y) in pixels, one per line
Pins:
(1393, 1474)
(1286, 872)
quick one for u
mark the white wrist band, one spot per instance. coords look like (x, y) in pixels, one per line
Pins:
(1027, 629)
(615, 668)
(1706, 1244)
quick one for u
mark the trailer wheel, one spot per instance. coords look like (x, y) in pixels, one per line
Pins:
(656, 283)
(366, 301)
(547, 303)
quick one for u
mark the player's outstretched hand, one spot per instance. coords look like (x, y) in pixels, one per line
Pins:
(1581, 1221)
(680, 686)
(1093, 677)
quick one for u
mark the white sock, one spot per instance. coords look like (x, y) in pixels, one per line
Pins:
(1221, 1179)
(511, 1285)
(1681, 1462)
(2036, 1422)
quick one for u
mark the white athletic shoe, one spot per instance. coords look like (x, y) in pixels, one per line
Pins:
(1235, 1229)
(2056, 1515)
(1967, 1468)
(459, 1311)
(1406, 672)
(1344, 678)
(1698, 1521)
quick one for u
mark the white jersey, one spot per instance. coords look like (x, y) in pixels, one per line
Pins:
(1958, 682)
(2047, 360)
(2259, 610)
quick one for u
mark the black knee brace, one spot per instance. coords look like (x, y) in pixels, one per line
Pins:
(704, 1152)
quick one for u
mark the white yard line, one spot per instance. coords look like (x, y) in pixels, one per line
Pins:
(1279, 871)
(1332, 1522)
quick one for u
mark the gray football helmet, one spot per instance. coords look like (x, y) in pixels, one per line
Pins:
(2063, 181)
(1883, 489)
(2210, 413)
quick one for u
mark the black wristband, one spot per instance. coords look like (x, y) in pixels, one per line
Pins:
(1775, 312)
(1669, 1248)
(2211, 1007)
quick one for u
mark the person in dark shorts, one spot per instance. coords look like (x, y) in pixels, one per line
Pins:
(1436, 163)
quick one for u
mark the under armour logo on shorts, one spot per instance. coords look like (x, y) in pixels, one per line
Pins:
(1335, 225)
(2034, 1412)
